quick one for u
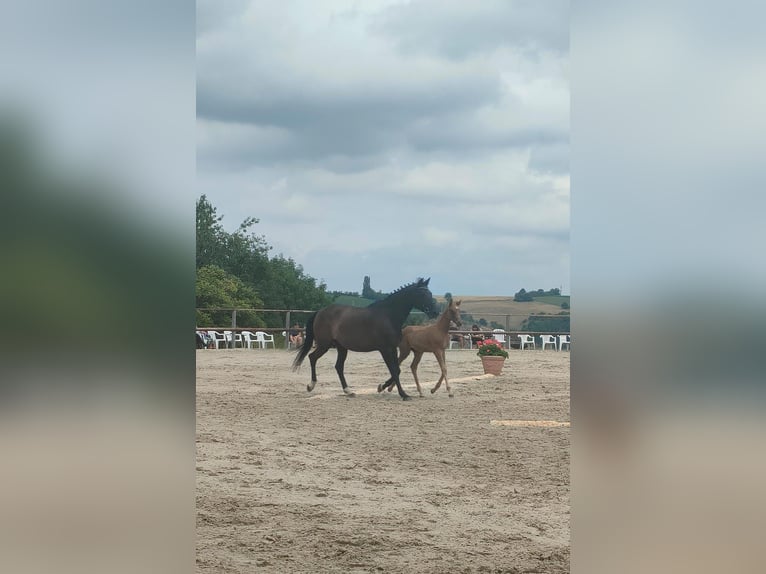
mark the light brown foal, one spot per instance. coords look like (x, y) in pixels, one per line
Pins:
(430, 339)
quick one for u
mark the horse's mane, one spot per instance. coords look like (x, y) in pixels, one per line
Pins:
(419, 284)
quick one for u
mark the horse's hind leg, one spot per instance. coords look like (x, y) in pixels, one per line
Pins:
(313, 358)
(342, 353)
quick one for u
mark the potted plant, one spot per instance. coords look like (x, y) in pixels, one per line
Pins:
(492, 355)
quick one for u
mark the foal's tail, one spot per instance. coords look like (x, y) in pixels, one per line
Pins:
(308, 342)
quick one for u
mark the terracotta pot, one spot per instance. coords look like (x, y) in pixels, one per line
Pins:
(492, 365)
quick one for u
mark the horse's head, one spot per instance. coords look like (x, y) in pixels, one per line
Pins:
(453, 311)
(424, 299)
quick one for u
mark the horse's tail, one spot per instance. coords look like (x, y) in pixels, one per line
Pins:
(308, 342)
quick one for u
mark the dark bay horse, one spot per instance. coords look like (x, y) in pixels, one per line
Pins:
(377, 327)
(428, 339)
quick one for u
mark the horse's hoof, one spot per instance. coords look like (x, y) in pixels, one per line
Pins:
(422, 396)
(406, 397)
(309, 388)
(380, 388)
(451, 395)
(433, 391)
(351, 395)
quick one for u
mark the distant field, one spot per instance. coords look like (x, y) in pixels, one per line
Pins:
(553, 299)
(488, 308)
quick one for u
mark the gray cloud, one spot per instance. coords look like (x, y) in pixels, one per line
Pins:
(552, 158)
(212, 14)
(456, 29)
(353, 120)
(358, 148)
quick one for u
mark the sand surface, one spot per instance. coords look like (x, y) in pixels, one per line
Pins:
(291, 481)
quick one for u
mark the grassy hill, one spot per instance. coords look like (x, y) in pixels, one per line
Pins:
(553, 299)
(491, 308)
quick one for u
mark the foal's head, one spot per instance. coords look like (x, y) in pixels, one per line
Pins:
(453, 312)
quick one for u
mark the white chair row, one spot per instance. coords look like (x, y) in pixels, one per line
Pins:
(546, 340)
(243, 339)
(526, 340)
(259, 338)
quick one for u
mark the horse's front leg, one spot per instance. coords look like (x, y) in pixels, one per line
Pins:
(389, 384)
(438, 384)
(342, 353)
(414, 369)
(404, 351)
(443, 366)
(389, 356)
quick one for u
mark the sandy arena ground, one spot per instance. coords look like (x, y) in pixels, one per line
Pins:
(290, 481)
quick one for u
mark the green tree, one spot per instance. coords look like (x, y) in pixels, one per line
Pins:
(210, 234)
(241, 253)
(552, 324)
(522, 295)
(278, 282)
(286, 286)
(216, 288)
(369, 293)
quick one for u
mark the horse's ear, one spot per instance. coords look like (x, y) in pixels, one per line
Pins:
(458, 302)
(426, 282)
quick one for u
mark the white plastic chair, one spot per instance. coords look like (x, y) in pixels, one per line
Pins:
(217, 338)
(264, 339)
(526, 340)
(232, 339)
(565, 340)
(499, 336)
(453, 342)
(248, 339)
(548, 340)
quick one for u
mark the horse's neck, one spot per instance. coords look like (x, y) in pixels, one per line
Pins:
(398, 310)
(443, 322)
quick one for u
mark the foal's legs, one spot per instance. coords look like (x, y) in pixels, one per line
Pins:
(313, 358)
(342, 352)
(443, 366)
(414, 369)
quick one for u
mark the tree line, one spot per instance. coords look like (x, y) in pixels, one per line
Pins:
(524, 295)
(235, 270)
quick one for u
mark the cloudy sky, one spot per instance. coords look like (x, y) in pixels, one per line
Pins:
(392, 139)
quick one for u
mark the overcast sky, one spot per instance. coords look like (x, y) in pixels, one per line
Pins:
(392, 139)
